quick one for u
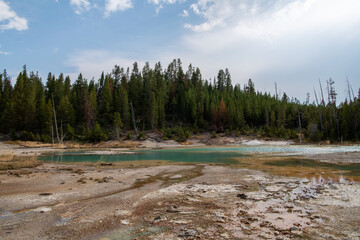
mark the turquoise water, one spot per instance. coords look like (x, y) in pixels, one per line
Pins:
(196, 155)
(186, 156)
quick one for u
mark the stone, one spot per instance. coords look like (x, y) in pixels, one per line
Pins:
(242, 196)
(187, 233)
(45, 194)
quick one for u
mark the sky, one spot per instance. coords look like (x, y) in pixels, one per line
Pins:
(291, 42)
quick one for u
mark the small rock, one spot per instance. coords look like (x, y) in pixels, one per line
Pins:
(273, 188)
(106, 164)
(125, 222)
(45, 194)
(172, 210)
(78, 171)
(81, 180)
(225, 235)
(157, 218)
(119, 212)
(187, 233)
(242, 196)
(181, 221)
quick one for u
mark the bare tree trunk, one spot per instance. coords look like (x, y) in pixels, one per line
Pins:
(328, 91)
(56, 127)
(62, 136)
(322, 94)
(300, 129)
(52, 133)
(117, 133)
(133, 118)
(323, 108)
(61, 132)
(317, 102)
(349, 92)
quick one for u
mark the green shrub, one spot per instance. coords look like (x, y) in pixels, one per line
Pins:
(142, 136)
(71, 135)
(97, 134)
(213, 134)
(237, 132)
(13, 134)
(128, 136)
(27, 136)
(45, 138)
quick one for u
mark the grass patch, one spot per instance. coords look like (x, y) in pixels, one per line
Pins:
(353, 169)
(15, 162)
(107, 144)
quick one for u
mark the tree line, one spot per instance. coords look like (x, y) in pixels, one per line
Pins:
(175, 101)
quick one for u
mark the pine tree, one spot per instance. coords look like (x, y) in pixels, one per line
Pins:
(5, 104)
(65, 111)
(106, 102)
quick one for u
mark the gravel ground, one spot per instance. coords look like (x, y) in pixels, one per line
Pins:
(172, 202)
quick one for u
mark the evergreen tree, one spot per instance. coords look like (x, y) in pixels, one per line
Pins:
(169, 98)
(106, 102)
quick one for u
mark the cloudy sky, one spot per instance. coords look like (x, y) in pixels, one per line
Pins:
(291, 42)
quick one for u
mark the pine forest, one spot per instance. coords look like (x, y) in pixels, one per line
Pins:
(175, 101)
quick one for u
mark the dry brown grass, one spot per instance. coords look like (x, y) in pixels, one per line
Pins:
(6, 157)
(119, 144)
(35, 144)
(15, 162)
(108, 144)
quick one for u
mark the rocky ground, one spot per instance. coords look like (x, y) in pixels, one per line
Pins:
(158, 200)
(172, 202)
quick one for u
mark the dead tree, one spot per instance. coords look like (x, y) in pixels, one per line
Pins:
(62, 136)
(133, 118)
(56, 127)
(323, 107)
(317, 102)
(300, 129)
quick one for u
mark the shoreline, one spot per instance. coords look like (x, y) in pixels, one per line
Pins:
(31, 148)
(162, 200)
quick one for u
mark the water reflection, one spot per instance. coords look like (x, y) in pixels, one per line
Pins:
(264, 158)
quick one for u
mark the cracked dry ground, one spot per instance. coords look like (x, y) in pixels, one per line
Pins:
(173, 202)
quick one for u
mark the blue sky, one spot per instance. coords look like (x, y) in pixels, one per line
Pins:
(291, 42)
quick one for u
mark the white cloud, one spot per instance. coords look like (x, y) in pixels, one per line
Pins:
(10, 20)
(231, 25)
(92, 62)
(80, 6)
(117, 5)
(4, 53)
(259, 19)
(293, 42)
(185, 13)
(160, 4)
